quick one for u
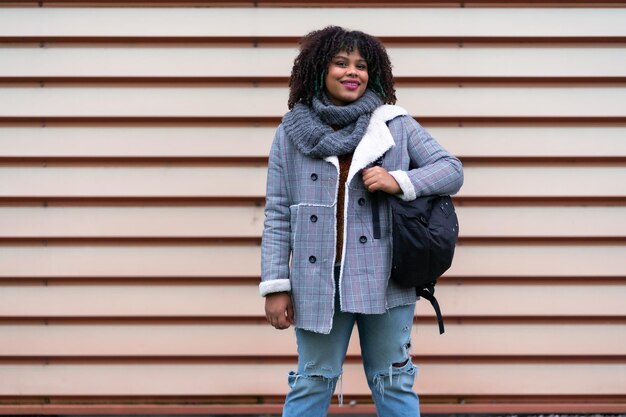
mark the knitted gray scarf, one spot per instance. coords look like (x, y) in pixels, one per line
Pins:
(310, 128)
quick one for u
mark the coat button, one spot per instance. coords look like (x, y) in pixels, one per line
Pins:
(313, 218)
(314, 176)
(363, 239)
(423, 219)
(361, 201)
(312, 259)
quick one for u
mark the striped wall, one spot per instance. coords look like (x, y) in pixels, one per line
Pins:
(133, 148)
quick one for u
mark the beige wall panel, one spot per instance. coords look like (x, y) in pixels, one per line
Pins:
(134, 182)
(534, 181)
(182, 60)
(548, 300)
(131, 260)
(279, 22)
(190, 141)
(502, 260)
(450, 60)
(84, 260)
(532, 141)
(247, 221)
(184, 340)
(523, 101)
(519, 60)
(579, 378)
(142, 142)
(168, 181)
(220, 221)
(470, 100)
(586, 221)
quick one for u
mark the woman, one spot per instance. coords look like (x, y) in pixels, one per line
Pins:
(322, 270)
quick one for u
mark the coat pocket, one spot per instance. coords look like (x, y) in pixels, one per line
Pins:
(313, 236)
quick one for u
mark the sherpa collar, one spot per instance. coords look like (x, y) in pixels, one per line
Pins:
(375, 142)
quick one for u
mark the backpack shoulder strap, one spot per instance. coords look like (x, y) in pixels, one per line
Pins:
(429, 294)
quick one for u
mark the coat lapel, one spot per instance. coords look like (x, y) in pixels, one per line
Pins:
(333, 160)
(376, 141)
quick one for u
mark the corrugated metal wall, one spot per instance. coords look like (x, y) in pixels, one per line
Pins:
(133, 147)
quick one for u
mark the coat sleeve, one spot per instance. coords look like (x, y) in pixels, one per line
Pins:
(275, 246)
(437, 171)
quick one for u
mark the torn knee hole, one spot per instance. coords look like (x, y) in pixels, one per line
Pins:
(399, 364)
(317, 377)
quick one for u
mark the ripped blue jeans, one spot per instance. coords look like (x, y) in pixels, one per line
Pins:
(385, 342)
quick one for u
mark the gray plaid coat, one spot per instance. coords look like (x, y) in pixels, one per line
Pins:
(299, 236)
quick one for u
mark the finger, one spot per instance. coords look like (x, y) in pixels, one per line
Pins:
(370, 172)
(376, 177)
(290, 313)
(277, 319)
(375, 170)
(373, 187)
(370, 180)
(272, 319)
(282, 323)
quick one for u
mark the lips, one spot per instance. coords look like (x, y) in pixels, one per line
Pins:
(350, 85)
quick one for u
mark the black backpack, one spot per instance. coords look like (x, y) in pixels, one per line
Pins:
(425, 232)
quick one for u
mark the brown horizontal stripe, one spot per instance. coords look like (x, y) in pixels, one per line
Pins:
(202, 281)
(256, 240)
(400, 80)
(183, 160)
(422, 320)
(260, 202)
(209, 161)
(591, 41)
(275, 121)
(276, 82)
(295, 39)
(340, 3)
(499, 201)
(151, 240)
(151, 123)
(233, 400)
(136, 200)
(256, 160)
(166, 203)
(262, 359)
(261, 321)
(274, 399)
(55, 405)
(474, 201)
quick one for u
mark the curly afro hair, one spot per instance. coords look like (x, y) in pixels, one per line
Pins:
(317, 48)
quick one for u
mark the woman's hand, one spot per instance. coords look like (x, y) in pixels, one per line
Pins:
(377, 178)
(279, 310)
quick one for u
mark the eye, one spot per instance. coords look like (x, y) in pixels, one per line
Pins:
(340, 63)
(362, 67)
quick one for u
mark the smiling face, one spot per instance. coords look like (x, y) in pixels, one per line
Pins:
(346, 78)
